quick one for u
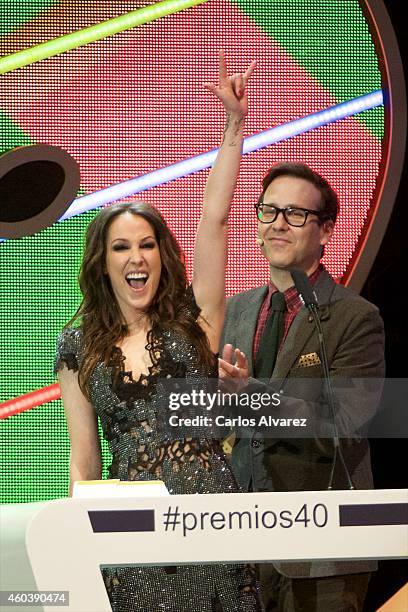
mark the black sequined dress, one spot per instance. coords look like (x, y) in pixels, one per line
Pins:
(129, 414)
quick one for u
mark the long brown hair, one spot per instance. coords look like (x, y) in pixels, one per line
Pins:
(100, 318)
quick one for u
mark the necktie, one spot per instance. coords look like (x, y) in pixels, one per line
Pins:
(271, 337)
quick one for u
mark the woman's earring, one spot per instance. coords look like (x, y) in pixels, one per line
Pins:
(260, 242)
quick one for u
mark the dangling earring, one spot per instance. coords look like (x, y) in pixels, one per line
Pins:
(260, 242)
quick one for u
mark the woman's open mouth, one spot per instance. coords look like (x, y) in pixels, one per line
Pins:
(137, 280)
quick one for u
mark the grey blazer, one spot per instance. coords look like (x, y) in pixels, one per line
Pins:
(354, 336)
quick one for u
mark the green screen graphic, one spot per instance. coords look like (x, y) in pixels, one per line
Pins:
(335, 46)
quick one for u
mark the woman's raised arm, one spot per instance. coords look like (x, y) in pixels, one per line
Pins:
(210, 256)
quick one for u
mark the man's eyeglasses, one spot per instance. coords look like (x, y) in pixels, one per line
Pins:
(297, 217)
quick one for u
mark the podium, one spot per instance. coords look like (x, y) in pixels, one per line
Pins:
(61, 545)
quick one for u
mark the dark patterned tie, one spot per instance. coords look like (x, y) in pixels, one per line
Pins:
(271, 337)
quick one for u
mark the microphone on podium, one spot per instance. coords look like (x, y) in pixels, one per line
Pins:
(305, 290)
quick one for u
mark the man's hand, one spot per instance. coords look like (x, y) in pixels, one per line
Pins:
(231, 89)
(233, 376)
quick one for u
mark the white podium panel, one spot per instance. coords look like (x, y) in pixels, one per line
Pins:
(68, 540)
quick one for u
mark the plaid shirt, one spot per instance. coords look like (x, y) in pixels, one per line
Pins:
(293, 305)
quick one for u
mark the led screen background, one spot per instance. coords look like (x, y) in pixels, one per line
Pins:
(134, 103)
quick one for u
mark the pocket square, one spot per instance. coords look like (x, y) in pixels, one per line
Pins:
(310, 359)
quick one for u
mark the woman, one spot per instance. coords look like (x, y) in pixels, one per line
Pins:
(139, 324)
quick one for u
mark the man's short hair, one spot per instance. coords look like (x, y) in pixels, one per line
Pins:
(330, 201)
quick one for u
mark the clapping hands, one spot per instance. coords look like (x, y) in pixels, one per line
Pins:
(233, 369)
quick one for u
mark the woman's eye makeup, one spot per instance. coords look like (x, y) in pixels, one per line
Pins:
(145, 245)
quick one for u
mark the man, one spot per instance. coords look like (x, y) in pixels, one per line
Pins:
(269, 334)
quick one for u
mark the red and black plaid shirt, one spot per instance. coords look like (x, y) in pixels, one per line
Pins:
(293, 305)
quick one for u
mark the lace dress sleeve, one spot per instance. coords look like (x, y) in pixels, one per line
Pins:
(68, 350)
(191, 303)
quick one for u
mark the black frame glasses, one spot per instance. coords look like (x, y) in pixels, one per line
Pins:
(286, 212)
